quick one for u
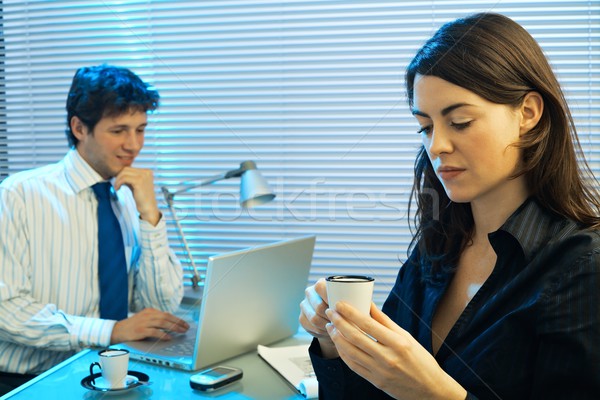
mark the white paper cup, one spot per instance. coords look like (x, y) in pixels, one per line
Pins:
(114, 364)
(356, 290)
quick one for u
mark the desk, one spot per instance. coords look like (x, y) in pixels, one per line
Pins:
(259, 382)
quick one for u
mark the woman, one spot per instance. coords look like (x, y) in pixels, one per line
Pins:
(499, 297)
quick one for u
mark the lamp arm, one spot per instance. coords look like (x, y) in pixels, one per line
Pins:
(195, 276)
(206, 182)
(234, 173)
(170, 196)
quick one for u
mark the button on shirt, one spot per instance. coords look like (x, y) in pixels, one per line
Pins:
(49, 293)
(532, 331)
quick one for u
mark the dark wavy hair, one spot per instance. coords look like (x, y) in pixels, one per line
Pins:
(494, 57)
(106, 91)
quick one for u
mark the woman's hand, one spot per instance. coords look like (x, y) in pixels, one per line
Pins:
(391, 359)
(313, 318)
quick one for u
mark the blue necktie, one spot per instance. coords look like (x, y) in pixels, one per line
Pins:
(112, 267)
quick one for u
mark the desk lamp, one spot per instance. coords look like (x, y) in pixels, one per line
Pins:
(254, 191)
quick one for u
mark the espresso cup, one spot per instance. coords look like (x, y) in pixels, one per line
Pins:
(113, 364)
(356, 290)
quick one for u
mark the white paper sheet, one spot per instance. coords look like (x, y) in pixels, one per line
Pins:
(293, 363)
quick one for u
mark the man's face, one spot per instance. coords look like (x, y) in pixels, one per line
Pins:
(114, 143)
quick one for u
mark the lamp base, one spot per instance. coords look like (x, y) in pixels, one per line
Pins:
(192, 295)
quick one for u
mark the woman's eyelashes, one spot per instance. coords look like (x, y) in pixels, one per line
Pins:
(424, 130)
(459, 126)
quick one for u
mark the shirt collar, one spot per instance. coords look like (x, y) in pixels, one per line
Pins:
(532, 226)
(80, 175)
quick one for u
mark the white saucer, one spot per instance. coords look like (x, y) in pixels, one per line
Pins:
(98, 383)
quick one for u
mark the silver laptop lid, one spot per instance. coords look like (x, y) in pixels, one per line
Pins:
(252, 297)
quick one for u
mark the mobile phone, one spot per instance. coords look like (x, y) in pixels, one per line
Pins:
(214, 378)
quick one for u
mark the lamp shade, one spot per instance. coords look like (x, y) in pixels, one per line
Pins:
(254, 189)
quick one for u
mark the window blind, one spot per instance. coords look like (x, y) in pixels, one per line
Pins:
(312, 91)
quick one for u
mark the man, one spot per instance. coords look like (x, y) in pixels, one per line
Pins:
(51, 236)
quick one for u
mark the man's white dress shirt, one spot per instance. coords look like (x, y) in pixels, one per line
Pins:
(49, 289)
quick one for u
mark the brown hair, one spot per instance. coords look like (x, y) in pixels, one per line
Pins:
(106, 90)
(497, 59)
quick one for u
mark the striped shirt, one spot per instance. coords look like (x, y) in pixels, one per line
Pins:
(49, 289)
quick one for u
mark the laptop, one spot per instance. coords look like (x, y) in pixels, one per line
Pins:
(250, 297)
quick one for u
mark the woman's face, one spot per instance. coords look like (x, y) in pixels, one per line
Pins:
(468, 140)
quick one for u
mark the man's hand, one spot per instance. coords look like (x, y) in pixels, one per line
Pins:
(148, 323)
(141, 183)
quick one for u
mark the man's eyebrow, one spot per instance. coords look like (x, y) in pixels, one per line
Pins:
(445, 111)
(125, 126)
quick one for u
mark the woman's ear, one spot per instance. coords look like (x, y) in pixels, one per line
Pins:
(531, 111)
(78, 128)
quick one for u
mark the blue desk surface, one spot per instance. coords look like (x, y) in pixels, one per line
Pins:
(260, 381)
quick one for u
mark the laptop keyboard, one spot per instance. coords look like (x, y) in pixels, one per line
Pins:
(185, 347)
(182, 343)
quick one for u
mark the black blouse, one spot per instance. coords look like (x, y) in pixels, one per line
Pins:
(532, 331)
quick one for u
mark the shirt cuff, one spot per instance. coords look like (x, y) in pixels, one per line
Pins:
(152, 237)
(330, 372)
(90, 332)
